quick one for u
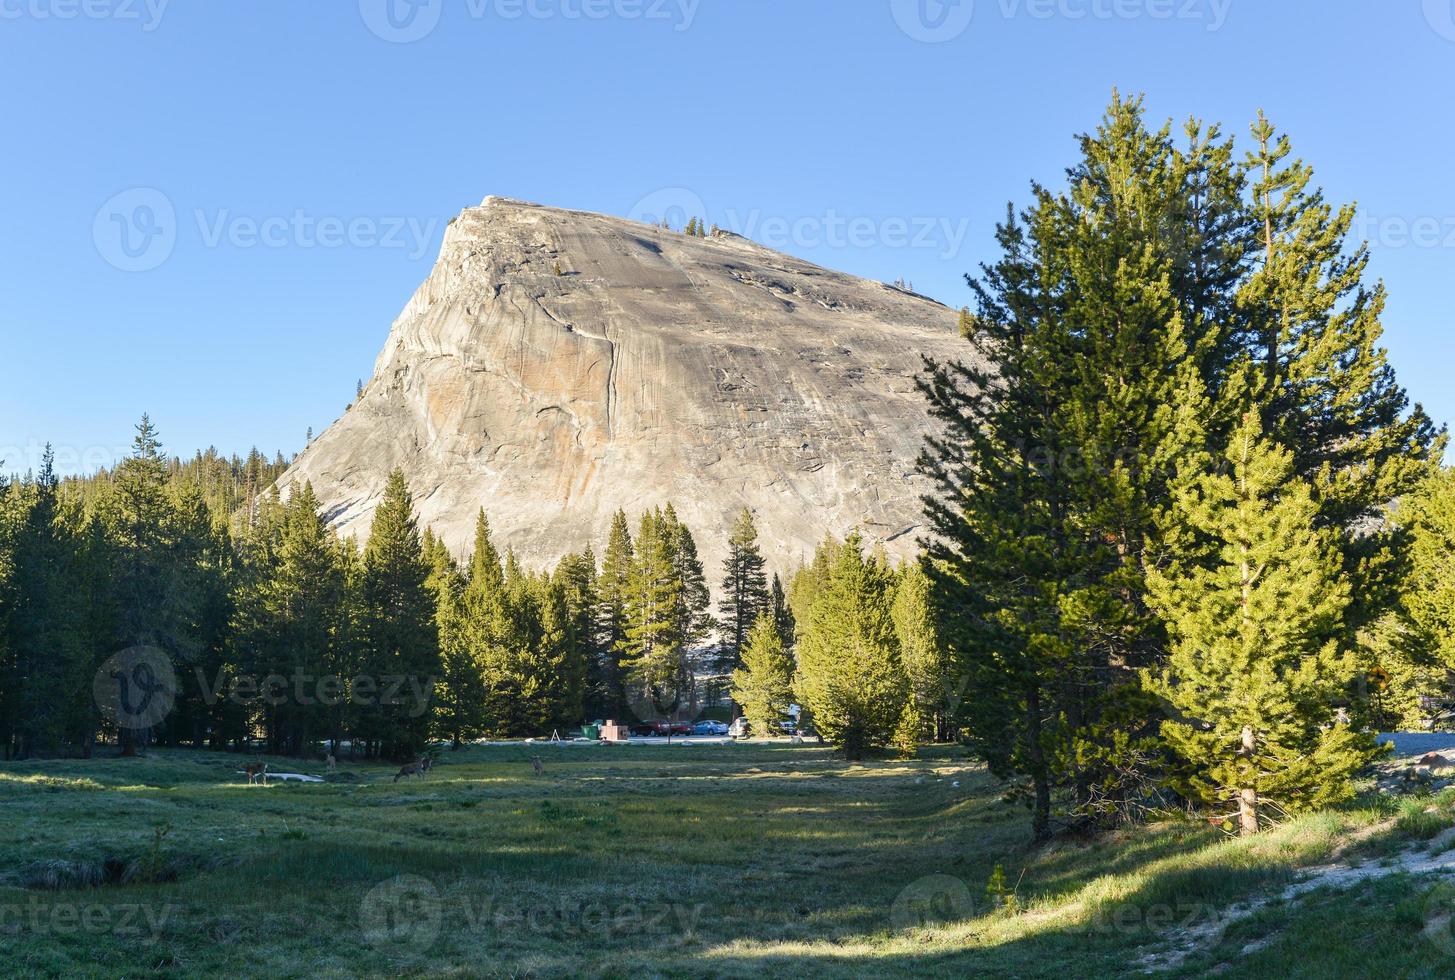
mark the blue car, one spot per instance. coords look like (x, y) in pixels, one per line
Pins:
(709, 728)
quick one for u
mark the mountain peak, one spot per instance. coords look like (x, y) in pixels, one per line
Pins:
(559, 365)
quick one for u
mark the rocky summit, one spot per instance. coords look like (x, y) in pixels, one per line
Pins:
(559, 365)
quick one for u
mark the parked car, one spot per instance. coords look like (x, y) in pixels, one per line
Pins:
(788, 727)
(709, 727)
(662, 729)
(739, 728)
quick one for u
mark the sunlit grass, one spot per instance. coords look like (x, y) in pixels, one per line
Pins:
(712, 861)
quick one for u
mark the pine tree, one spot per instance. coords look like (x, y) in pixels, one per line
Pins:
(1428, 517)
(693, 620)
(849, 672)
(302, 594)
(460, 696)
(576, 578)
(488, 635)
(46, 636)
(763, 683)
(1257, 665)
(613, 591)
(926, 664)
(1102, 350)
(745, 594)
(152, 594)
(652, 651)
(1328, 391)
(782, 614)
(402, 637)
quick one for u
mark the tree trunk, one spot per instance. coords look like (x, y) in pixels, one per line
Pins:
(1248, 795)
(1041, 813)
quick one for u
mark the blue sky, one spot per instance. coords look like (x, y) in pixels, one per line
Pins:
(287, 168)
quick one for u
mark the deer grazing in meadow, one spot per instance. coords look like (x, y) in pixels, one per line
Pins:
(256, 771)
(417, 768)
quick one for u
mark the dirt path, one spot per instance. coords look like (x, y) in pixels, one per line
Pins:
(1435, 858)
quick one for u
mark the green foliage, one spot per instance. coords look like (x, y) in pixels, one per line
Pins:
(849, 671)
(658, 621)
(929, 715)
(745, 595)
(401, 638)
(613, 588)
(1257, 666)
(1127, 325)
(1428, 517)
(763, 684)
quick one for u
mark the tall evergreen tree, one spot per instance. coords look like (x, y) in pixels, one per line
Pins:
(613, 589)
(402, 638)
(925, 659)
(744, 588)
(488, 635)
(652, 651)
(694, 601)
(763, 684)
(576, 578)
(1257, 666)
(460, 696)
(46, 623)
(153, 593)
(849, 672)
(782, 614)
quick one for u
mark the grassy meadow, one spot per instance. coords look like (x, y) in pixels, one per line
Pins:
(682, 861)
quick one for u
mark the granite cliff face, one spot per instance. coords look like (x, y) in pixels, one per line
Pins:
(558, 365)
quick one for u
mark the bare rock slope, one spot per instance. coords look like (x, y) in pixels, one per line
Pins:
(558, 365)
